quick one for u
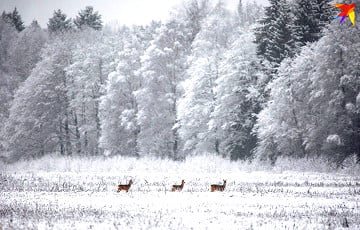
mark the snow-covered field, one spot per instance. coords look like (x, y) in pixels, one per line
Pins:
(65, 193)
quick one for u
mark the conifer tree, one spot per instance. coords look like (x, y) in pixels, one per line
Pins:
(274, 35)
(313, 107)
(14, 19)
(310, 17)
(59, 22)
(88, 18)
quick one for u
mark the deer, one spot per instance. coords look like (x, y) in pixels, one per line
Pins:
(178, 187)
(125, 187)
(218, 187)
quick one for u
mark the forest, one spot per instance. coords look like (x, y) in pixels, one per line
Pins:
(251, 83)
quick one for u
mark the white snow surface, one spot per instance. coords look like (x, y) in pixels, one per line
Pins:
(67, 193)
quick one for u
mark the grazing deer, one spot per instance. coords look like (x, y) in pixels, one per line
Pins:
(218, 187)
(178, 187)
(125, 187)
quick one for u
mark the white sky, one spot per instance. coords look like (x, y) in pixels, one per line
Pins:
(124, 11)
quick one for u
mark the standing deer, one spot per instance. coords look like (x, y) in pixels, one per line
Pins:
(218, 187)
(178, 187)
(125, 187)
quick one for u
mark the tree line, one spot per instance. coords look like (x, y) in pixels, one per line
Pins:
(207, 80)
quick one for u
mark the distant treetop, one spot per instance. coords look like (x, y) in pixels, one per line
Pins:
(14, 19)
(88, 18)
(59, 22)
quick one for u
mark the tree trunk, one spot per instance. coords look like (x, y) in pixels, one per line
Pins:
(98, 126)
(77, 134)
(67, 134)
(61, 137)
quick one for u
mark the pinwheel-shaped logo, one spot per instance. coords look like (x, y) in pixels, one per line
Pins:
(348, 10)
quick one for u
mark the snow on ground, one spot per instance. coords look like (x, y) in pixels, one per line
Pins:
(65, 193)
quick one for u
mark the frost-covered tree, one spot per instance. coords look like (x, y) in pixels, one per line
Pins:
(14, 19)
(248, 13)
(279, 128)
(36, 119)
(163, 66)
(91, 63)
(310, 17)
(8, 83)
(313, 106)
(237, 98)
(336, 78)
(26, 53)
(119, 107)
(19, 54)
(195, 108)
(8, 36)
(273, 36)
(59, 22)
(88, 18)
(195, 11)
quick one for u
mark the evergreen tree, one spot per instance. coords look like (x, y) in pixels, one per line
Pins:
(88, 18)
(274, 34)
(14, 19)
(59, 22)
(6, 17)
(310, 17)
(325, 12)
(313, 108)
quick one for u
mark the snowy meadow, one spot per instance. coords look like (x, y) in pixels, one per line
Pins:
(68, 193)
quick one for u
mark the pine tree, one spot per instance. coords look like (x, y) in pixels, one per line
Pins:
(6, 17)
(273, 37)
(59, 22)
(14, 19)
(88, 18)
(313, 108)
(310, 18)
